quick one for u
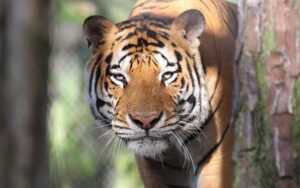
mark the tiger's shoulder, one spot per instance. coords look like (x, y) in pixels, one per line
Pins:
(220, 15)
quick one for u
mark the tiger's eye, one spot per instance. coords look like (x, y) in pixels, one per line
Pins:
(119, 77)
(167, 75)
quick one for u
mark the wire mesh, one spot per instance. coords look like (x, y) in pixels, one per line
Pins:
(79, 154)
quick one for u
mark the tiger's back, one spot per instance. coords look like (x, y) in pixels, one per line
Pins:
(166, 93)
(217, 51)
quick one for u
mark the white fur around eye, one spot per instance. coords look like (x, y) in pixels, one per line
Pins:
(168, 77)
(119, 79)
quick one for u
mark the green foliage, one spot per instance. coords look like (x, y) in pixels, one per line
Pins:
(68, 11)
(67, 157)
(126, 171)
(76, 160)
(114, 10)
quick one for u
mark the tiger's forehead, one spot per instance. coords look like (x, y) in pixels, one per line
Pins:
(151, 27)
(142, 34)
(137, 41)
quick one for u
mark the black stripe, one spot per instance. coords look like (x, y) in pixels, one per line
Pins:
(106, 86)
(130, 35)
(128, 46)
(151, 33)
(119, 127)
(208, 119)
(178, 56)
(193, 136)
(190, 73)
(210, 152)
(97, 77)
(197, 73)
(117, 39)
(159, 25)
(115, 66)
(150, 7)
(165, 35)
(182, 82)
(101, 103)
(143, 42)
(122, 134)
(139, 5)
(122, 58)
(121, 120)
(205, 5)
(187, 86)
(191, 100)
(126, 26)
(188, 54)
(92, 74)
(203, 64)
(108, 58)
(234, 18)
(166, 59)
(131, 62)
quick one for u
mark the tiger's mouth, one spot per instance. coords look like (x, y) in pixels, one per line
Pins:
(147, 137)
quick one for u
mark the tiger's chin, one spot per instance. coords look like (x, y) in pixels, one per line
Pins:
(148, 147)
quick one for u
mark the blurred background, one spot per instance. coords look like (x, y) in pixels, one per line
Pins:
(48, 137)
(79, 155)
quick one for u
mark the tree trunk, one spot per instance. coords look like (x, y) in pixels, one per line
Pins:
(268, 70)
(24, 56)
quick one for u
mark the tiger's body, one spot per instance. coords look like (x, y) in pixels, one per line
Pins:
(163, 81)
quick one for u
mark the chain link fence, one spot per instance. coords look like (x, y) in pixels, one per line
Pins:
(80, 155)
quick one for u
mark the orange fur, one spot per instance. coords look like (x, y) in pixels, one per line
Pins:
(217, 172)
(143, 93)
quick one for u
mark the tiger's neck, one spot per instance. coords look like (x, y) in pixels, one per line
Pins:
(187, 167)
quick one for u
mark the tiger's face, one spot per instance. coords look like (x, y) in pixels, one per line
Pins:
(146, 80)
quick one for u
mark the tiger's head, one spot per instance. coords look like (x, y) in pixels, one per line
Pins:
(145, 79)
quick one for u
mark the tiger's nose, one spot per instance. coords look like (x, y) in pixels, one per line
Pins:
(146, 121)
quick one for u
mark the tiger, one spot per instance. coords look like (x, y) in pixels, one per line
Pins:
(162, 82)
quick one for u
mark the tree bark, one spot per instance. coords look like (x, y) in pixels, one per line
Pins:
(268, 70)
(282, 68)
(25, 52)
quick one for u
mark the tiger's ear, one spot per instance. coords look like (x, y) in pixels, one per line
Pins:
(189, 25)
(95, 29)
